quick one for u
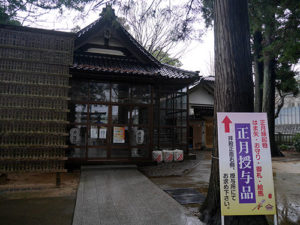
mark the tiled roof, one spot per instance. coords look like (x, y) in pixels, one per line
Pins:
(173, 72)
(123, 65)
(95, 63)
(87, 28)
(209, 78)
(206, 82)
(37, 30)
(101, 21)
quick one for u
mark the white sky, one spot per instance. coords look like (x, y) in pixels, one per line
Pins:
(200, 57)
(197, 57)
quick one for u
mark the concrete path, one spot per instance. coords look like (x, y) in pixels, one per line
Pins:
(124, 196)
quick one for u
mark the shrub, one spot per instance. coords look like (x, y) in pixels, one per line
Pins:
(297, 142)
(283, 147)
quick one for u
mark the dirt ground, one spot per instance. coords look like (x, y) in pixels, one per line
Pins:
(34, 185)
(34, 199)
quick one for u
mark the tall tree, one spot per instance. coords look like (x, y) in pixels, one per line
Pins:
(275, 42)
(31, 10)
(156, 27)
(233, 91)
(258, 69)
(287, 46)
(268, 100)
(279, 39)
(257, 39)
(285, 86)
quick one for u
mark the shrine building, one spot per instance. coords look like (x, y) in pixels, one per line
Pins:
(96, 96)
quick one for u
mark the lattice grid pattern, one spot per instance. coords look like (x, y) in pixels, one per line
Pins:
(34, 83)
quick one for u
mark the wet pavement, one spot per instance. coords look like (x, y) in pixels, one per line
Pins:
(286, 179)
(186, 196)
(37, 211)
(286, 172)
(124, 196)
(56, 206)
(196, 177)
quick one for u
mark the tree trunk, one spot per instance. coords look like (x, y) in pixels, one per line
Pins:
(258, 70)
(281, 101)
(233, 92)
(268, 104)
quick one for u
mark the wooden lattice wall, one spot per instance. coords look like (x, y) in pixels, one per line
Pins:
(34, 82)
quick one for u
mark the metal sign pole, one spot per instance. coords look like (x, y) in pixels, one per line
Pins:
(275, 219)
(223, 221)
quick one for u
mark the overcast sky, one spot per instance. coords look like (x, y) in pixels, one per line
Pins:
(200, 57)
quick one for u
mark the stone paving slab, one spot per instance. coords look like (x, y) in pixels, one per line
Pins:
(124, 196)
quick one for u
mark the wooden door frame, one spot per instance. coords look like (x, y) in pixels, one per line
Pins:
(109, 145)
